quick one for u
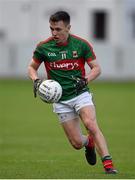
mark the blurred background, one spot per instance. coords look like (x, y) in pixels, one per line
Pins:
(108, 24)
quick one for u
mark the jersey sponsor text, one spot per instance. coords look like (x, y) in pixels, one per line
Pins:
(64, 65)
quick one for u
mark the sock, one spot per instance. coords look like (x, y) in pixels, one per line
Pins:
(107, 162)
(85, 140)
(90, 141)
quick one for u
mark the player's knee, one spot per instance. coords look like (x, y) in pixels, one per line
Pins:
(77, 144)
(92, 127)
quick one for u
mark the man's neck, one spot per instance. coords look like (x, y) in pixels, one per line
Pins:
(64, 42)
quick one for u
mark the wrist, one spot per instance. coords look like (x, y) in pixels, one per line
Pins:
(35, 79)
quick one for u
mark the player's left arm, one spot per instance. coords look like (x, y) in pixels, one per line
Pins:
(95, 70)
(90, 59)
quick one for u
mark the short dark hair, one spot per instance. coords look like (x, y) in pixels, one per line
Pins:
(60, 16)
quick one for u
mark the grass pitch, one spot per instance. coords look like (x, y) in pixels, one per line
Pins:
(33, 144)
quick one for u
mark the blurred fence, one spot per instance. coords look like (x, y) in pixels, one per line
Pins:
(108, 24)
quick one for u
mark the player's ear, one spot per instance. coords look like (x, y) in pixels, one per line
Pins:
(68, 27)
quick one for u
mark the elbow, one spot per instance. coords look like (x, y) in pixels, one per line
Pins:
(29, 71)
(98, 70)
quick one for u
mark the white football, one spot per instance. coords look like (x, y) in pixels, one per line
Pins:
(50, 91)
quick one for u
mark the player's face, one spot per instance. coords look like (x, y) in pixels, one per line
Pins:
(60, 31)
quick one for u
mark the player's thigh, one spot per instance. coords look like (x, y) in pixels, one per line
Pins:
(88, 117)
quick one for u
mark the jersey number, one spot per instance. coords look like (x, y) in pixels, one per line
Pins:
(64, 56)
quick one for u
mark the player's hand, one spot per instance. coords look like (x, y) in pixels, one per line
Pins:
(36, 85)
(80, 84)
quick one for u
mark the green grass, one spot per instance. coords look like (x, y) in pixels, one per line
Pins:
(33, 144)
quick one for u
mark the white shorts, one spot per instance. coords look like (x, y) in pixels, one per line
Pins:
(68, 110)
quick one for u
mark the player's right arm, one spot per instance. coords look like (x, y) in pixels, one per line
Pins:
(32, 72)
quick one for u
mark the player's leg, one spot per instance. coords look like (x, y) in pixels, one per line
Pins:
(71, 125)
(69, 120)
(88, 117)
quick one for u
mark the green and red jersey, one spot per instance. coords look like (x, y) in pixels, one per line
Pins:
(65, 62)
